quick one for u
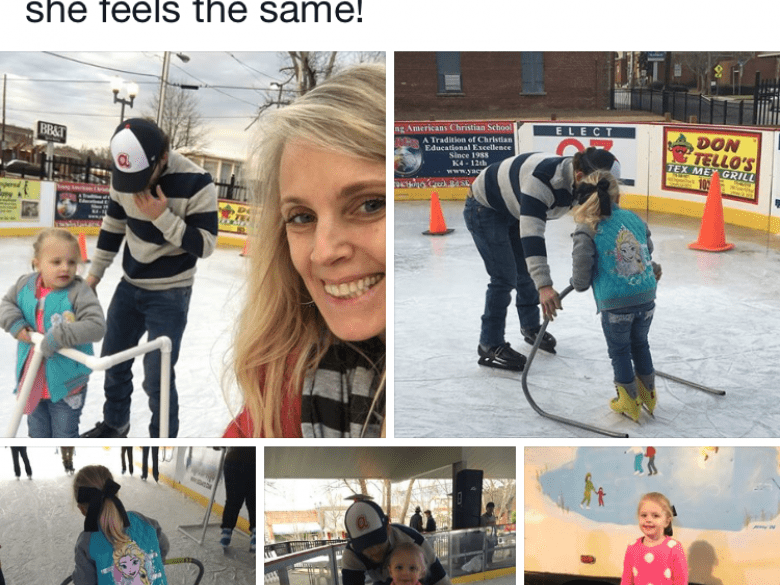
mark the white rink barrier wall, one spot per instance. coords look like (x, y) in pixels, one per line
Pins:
(666, 167)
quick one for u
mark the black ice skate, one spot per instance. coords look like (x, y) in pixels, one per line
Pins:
(548, 341)
(502, 357)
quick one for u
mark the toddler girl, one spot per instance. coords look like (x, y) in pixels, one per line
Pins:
(406, 564)
(57, 303)
(655, 557)
(116, 547)
(612, 250)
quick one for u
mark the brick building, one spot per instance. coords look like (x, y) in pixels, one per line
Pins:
(291, 525)
(460, 85)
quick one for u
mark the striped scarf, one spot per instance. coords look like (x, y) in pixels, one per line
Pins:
(337, 396)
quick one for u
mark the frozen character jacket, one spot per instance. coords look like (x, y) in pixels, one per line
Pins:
(615, 259)
(138, 563)
(72, 317)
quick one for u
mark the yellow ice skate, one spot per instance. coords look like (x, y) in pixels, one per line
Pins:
(624, 404)
(647, 394)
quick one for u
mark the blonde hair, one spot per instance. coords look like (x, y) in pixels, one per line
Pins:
(57, 233)
(589, 212)
(110, 520)
(661, 500)
(411, 548)
(280, 333)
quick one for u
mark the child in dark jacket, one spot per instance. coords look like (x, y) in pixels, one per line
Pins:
(57, 303)
(612, 253)
(116, 547)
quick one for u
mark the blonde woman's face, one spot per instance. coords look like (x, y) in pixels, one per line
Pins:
(333, 205)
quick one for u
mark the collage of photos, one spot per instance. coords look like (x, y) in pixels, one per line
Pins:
(211, 228)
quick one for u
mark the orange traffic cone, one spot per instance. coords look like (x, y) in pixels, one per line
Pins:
(245, 251)
(83, 247)
(436, 226)
(712, 236)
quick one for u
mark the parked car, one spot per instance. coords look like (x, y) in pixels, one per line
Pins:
(770, 95)
(22, 168)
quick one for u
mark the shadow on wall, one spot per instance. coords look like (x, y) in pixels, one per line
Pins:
(702, 561)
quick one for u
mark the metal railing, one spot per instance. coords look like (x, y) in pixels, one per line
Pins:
(461, 552)
(162, 343)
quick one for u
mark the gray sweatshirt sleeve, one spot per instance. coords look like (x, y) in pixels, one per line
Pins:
(11, 317)
(85, 572)
(89, 325)
(583, 258)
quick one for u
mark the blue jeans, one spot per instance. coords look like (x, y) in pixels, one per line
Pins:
(497, 237)
(626, 333)
(134, 311)
(56, 419)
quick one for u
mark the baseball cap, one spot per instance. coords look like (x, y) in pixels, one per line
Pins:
(135, 150)
(366, 525)
(594, 159)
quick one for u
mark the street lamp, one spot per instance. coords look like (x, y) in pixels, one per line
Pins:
(132, 91)
(164, 82)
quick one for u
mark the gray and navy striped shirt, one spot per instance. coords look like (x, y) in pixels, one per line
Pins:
(162, 254)
(532, 188)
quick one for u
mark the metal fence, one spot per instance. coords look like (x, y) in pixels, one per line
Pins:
(762, 109)
(96, 172)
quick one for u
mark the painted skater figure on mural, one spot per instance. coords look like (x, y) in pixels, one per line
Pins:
(650, 454)
(601, 493)
(638, 453)
(589, 489)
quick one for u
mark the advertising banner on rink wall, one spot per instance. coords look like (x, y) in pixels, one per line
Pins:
(20, 200)
(80, 204)
(447, 156)
(568, 138)
(692, 156)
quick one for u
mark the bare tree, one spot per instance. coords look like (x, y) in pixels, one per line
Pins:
(181, 119)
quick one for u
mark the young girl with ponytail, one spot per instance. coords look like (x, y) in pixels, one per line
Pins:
(612, 253)
(116, 547)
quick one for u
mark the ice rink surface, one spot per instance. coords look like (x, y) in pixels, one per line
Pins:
(39, 521)
(215, 302)
(716, 323)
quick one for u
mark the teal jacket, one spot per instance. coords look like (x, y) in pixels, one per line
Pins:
(139, 562)
(72, 317)
(615, 260)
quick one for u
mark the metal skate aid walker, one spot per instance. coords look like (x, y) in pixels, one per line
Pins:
(576, 423)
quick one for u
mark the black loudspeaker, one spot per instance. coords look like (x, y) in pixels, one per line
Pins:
(468, 498)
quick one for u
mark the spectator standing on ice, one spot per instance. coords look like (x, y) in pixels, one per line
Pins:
(16, 453)
(164, 207)
(506, 211)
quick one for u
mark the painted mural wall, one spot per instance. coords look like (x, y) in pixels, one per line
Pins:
(581, 506)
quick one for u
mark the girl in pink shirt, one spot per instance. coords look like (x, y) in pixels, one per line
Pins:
(655, 558)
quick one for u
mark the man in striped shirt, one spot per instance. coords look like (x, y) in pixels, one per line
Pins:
(164, 207)
(506, 212)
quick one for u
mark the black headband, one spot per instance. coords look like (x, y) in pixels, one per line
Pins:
(94, 499)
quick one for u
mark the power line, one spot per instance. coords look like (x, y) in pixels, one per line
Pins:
(100, 66)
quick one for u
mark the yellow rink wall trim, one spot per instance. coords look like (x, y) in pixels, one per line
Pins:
(494, 574)
(223, 238)
(241, 524)
(739, 217)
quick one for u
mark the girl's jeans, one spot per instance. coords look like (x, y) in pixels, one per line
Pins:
(626, 333)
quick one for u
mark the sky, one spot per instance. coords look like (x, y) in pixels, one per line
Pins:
(74, 89)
